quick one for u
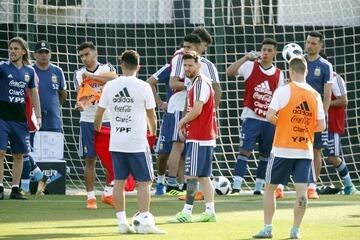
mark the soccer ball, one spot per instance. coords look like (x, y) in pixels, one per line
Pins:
(222, 185)
(290, 50)
(137, 221)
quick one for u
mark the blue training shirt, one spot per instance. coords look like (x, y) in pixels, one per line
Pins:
(320, 72)
(163, 75)
(13, 84)
(51, 82)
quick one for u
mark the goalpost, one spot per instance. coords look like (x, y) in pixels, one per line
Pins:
(155, 28)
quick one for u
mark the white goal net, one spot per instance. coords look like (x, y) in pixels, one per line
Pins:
(155, 28)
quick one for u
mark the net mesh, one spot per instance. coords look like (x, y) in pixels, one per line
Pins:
(155, 28)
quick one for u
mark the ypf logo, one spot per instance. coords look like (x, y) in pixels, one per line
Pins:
(123, 129)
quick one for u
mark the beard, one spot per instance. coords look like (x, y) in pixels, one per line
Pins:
(190, 75)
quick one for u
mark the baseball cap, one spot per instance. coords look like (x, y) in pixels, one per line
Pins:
(42, 45)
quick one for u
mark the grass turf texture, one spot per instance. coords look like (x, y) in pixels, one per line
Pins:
(239, 217)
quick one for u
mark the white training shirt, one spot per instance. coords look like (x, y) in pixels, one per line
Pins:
(338, 87)
(280, 99)
(127, 98)
(88, 115)
(245, 71)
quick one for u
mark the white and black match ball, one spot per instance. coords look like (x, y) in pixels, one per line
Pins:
(222, 185)
(136, 221)
(290, 50)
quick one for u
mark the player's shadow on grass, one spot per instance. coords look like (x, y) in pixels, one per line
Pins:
(352, 226)
(56, 236)
(251, 238)
(74, 226)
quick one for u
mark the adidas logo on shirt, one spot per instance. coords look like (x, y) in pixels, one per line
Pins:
(264, 87)
(10, 76)
(303, 109)
(123, 97)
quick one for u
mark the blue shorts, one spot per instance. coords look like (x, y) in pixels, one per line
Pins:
(252, 131)
(138, 164)
(87, 131)
(279, 170)
(319, 140)
(333, 147)
(174, 121)
(32, 137)
(164, 143)
(198, 160)
(17, 133)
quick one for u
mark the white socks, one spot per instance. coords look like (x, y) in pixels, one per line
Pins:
(108, 191)
(312, 186)
(91, 195)
(161, 179)
(121, 217)
(188, 209)
(210, 208)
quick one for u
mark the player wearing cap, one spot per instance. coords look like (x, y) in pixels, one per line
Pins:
(52, 93)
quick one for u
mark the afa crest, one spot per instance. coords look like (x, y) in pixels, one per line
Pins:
(26, 77)
(54, 78)
(317, 71)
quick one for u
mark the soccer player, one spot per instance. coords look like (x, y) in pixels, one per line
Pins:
(261, 79)
(296, 109)
(199, 127)
(16, 77)
(320, 73)
(164, 143)
(99, 74)
(336, 127)
(175, 108)
(52, 88)
(132, 107)
(208, 69)
(52, 93)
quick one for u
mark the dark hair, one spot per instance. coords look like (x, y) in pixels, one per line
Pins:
(191, 55)
(203, 34)
(192, 38)
(269, 41)
(316, 34)
(86, 45)
(24, 46)
(298, 64)
(130, 59)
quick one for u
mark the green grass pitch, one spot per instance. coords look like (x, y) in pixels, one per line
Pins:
(239, 217)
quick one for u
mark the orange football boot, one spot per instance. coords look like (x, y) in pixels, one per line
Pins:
(312, 194)
(198, 197)
(279, 193)
(108, 200)
(91, 204)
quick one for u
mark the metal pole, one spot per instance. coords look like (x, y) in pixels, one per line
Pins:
(16, 17)
(31, 24)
